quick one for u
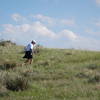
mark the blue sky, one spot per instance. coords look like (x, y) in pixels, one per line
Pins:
(52, 23)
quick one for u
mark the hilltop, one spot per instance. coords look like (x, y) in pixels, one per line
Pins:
(55, 74)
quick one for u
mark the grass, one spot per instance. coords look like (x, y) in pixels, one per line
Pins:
(55, 74)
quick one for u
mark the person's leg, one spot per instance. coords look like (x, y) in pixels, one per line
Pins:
(27, 61)
(31, 56)
(30, 61)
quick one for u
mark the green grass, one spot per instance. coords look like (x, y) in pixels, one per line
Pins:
(55, 74)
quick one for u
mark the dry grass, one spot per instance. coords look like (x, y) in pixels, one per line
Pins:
(56, 74)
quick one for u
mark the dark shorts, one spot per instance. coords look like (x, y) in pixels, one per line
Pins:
(28, 55)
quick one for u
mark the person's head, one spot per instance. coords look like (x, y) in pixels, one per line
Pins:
(33, 42)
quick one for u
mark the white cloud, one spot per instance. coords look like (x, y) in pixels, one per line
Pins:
(87, 43)
(91, 31)
(69, 34)
(69, 22)
(64, 39)
(35, 28)
(43, 30)
(23, 32)
(17, 17)
(44, 18)
(13, 29)
(25, 27)
(98, 2)
(88, 30)
(54, 21)
(97, 23)
(9, 28)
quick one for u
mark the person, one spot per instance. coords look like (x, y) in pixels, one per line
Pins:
(29, 52)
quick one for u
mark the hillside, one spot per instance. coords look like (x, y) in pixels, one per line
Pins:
(55, 74)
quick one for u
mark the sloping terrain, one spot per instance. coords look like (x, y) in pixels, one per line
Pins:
(55, 74)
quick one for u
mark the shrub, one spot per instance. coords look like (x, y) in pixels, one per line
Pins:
(82, 75)
(3, 91)
(8, 65)
(68, 53)
(43, 63)
(94, 79)
(17, 84)
(92, 66)
(6, 43)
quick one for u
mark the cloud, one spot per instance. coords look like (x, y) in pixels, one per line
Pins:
(68, 22)
(44, 18)
(18, 18)
(25, 28)
(91, 31)
(35, 30)
(98, 2)
(97, 23)
(29, 30)
(54, 21)
(43, 30)
(9, 28)
(24, 32)
(87, 43)
(38, 29)
(64, 39)
(13, 29)
(69, 34)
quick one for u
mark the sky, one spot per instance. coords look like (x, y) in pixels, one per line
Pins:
(52, 23)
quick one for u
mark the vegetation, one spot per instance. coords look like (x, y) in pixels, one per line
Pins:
(55, 74)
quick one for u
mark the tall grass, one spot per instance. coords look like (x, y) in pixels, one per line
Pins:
(55, 74)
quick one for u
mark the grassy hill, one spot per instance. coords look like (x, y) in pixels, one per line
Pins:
(55, 74)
